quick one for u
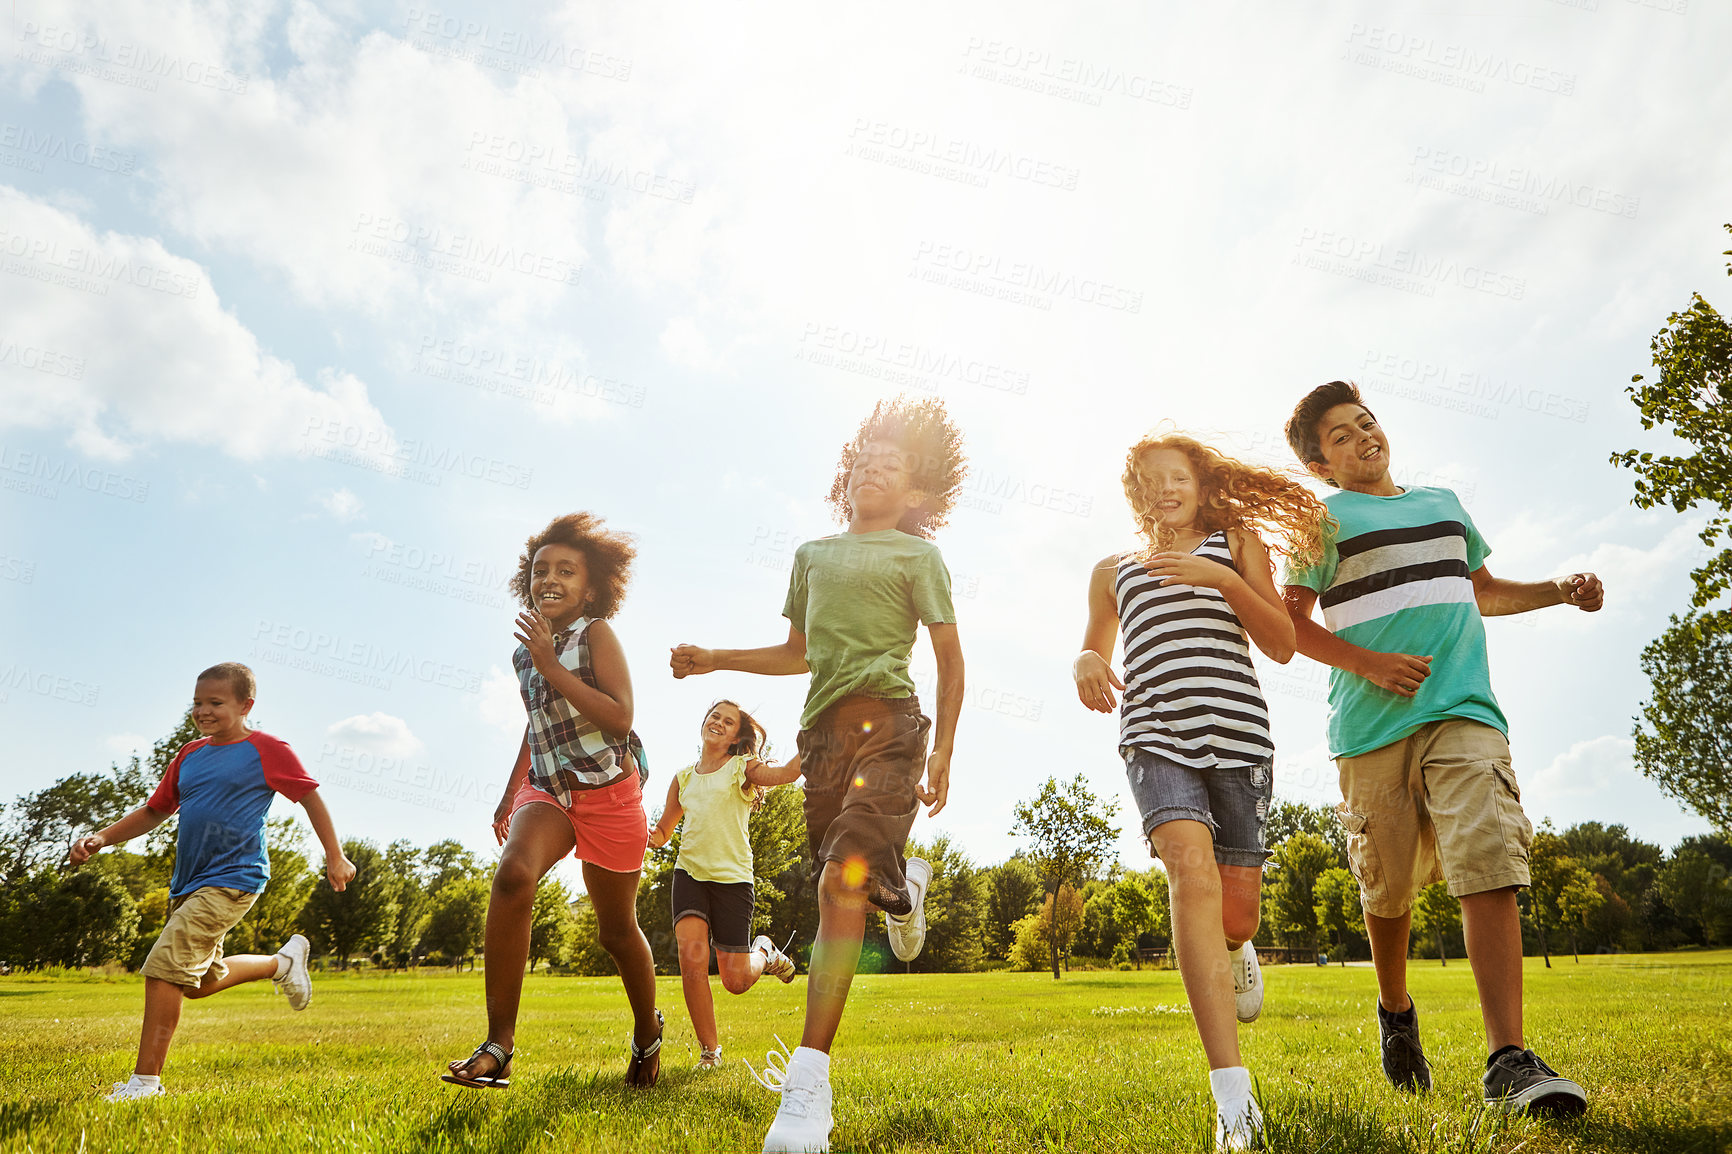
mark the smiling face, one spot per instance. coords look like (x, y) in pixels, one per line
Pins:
(219, 712)
(1355, 451)
(722, 726)
(1171, 486)
(559, 584)
(879, 484)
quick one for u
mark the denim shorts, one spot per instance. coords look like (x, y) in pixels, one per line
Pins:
(1233, 803)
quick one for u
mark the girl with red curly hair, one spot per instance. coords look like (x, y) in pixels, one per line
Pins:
(1194, 728)
(576, 786)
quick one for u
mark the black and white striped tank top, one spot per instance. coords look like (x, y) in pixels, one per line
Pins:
(1191, 692)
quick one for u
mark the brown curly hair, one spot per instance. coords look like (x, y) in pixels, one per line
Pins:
(751, 741)
(607, 555)
(1273, 503)
(922, 429)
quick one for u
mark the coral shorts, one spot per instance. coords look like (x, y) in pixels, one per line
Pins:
(608, 824)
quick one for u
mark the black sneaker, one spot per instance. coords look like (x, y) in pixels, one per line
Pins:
(1404, 1061)
(1519, 1080)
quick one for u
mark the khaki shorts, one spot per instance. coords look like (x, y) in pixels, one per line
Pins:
(1440, 804)
(191, 945)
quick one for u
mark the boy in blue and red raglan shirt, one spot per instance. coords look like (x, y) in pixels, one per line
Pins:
(223, 785)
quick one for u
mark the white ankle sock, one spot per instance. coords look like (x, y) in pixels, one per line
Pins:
(282, 967)
(149, 1081)
(817, 1059)
(1231, 1085)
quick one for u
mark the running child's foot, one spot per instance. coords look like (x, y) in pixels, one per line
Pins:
(132, 1089)
(1238, 1121)
(295, 981)
(709, 1059)
(908, 932)
(776, 963)
(1519, 1080)
(803, 1122)
(1404, 1061)
(1247, 983)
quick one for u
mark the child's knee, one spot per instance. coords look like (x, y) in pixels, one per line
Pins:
(1240, 924)
(736, 978)
(838, 885)
(514, 878)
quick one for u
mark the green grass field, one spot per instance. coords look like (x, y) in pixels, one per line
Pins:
(1096, 1062)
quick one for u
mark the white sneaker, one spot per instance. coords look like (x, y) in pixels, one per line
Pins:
(908, 933)
(129, 1091)
(1239, 1127)
(296, 982)
(776, 963)
(709, 1059)
(802, 1124)
(1247, 984)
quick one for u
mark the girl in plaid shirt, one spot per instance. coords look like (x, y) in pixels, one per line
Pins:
(576, 786)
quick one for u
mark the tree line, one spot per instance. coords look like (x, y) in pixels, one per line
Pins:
(1062, 900)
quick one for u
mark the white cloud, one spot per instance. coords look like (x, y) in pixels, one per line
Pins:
(122, 343)
(378, 733)
(1596, 780)
(339, 503)
(502, 702)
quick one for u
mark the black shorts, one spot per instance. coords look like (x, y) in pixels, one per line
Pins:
(862, 759)
(726, 906)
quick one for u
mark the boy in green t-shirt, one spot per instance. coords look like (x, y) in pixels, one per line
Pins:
(855, 602)
(1417, 736)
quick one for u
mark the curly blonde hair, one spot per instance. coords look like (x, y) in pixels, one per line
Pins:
(923, 430)
(1272, 503)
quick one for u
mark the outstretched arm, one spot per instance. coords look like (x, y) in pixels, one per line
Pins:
(1499, 596)
(1397, 672)
(947, 648)
(1093, 668)
(140, 821)
(776, 660)
(769, 775)
(669, 821)
(338, 868)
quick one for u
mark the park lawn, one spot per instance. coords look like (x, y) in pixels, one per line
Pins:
(1012, 1062)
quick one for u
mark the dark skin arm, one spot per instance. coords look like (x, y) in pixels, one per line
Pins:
(610, 705)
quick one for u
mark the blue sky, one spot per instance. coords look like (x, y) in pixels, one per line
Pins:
(311, 314)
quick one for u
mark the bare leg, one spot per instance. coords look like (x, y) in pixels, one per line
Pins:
(614, 896)
(161, 1015)
(1187, 848)
(740, 972)
(1389, 958)
(693, 936)
(242, 968)
(1491, 922)
(1241, 903)
(835, 955)
(540, 836)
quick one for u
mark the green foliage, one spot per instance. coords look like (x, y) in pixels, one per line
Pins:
(1695, 883)
(1072, 837)
(552, 925)
(456, 918)
(587, 956)
(955, 909)
(1692, 399)
(1289, 891)
(1012, 892)
(360, 917)
(1686, 743)
(1337, 909)
(277, 913)
(79, 918)
(1437, 922)
(1287, 818)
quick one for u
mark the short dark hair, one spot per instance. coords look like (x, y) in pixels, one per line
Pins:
(1302, 425)
(922, 430)
(239, 677)
(607, 554)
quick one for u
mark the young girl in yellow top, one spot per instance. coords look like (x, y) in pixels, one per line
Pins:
(713, 876)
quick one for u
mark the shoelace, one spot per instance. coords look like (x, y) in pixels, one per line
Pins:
(775, 1075)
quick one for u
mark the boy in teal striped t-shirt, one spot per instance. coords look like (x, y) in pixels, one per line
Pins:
(1417, 735)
